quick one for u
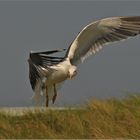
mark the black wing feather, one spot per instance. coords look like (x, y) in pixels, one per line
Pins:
(39, 60)
(33, 74)
(42, 59)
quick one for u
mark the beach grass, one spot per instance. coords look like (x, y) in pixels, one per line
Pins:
(108, 118)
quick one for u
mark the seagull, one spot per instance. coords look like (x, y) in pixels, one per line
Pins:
(48, 72)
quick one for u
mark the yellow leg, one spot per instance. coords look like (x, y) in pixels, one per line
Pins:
(55, 94)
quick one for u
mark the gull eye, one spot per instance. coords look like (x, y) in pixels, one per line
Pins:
(75, 72)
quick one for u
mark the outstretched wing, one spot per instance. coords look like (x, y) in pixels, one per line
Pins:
(39, 66)
(99, 33)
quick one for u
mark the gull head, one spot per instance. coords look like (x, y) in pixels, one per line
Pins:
(72, 72)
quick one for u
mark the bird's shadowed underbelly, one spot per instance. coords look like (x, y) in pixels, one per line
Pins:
(57, 77)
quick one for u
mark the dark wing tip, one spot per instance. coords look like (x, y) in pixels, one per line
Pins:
(44, 59)
(48, 52)
(34, 61)
(33, 74)
(131, 18)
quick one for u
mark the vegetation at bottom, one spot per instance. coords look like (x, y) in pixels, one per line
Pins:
(110, 118)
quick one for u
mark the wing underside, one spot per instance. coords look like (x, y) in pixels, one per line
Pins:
(100, 33)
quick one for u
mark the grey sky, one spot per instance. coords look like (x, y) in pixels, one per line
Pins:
(46, 25)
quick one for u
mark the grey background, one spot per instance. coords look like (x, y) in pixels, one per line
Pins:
(46, 25)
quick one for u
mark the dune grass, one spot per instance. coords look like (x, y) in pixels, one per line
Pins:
(110, 118)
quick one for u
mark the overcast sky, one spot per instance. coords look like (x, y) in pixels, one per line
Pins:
(41, 25)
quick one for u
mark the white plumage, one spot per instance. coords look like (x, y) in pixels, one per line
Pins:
(47, 72)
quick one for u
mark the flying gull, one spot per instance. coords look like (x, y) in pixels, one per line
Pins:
(47, 72)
